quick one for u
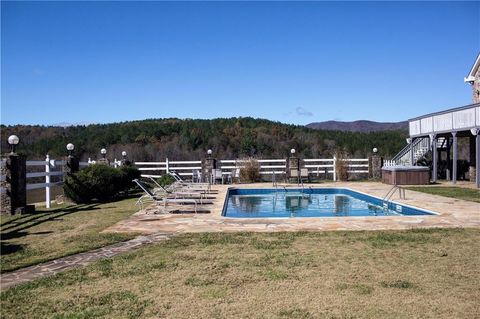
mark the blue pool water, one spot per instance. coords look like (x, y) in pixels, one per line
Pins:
(312, 202)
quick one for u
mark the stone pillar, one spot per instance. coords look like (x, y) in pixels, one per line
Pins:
(125, 161)
(14, 199)
(103, 161)
(293, 163)
(375, 163)
(208, 165)
(5, 202)
(72, 165)
(472, 169)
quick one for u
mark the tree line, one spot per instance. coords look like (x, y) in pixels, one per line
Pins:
(189, 139)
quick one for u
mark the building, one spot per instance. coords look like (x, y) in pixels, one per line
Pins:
(438, 133)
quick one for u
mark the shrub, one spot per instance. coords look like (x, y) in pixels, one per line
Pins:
(100, 182)
(341, 165)
(250, 170)
(129, 173)
(166, 180)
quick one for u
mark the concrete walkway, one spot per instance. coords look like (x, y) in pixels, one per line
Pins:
(78, 260)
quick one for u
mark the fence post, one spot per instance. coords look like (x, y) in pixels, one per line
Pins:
(167, 169)
(47, 181)
(334, 168)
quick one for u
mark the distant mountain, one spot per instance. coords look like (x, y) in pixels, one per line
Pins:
(359, 126)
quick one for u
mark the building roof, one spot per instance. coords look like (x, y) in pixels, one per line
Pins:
(471, 76)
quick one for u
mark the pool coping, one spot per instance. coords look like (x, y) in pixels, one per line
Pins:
(447, 213)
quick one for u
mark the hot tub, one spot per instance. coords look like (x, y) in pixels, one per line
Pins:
(406, 175)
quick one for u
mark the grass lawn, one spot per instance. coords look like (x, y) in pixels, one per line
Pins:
(60, 231)
(388, 274)
(454, 192)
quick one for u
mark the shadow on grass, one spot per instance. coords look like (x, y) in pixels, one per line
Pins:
(6, 248)
(18, 227)
(37, 219)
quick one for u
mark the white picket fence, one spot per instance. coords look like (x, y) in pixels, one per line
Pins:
(52, 168)
(388, 163)
(320, 167)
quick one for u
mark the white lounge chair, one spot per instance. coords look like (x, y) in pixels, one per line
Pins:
(182, 193)
(163, 202)
(180, 183)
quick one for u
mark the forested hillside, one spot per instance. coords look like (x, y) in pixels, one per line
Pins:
(155, 139)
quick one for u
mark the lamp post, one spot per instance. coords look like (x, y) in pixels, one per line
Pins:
(70, 148)
(72, 164)
(14, 200)
(103, 151)
(293, 165)
(13, 140)
(209, 164)
(125, 161)
(375, 164)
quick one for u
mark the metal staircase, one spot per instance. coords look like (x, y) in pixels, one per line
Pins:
(421, 146)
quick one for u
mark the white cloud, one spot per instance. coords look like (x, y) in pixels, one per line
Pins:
(303, 112)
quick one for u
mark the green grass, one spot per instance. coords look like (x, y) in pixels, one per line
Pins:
(469, 194)
(386, 274)
(63, 230)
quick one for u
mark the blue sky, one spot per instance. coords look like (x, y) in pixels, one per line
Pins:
(294, 62)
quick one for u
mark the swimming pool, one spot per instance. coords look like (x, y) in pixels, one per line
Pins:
(311, 202)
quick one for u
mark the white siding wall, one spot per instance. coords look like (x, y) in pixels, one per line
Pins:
(427, 125)
(442, 122)
(414, 127)
(464, 118)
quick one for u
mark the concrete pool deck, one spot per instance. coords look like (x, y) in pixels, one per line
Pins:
(452, 213)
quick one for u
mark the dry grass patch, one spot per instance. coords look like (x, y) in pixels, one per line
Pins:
(60, 231)
(387, 274)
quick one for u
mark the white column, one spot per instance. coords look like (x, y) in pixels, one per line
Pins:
(476, 131)
(455, 157)
(47, 181)
(166, 165)
(433, 141)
